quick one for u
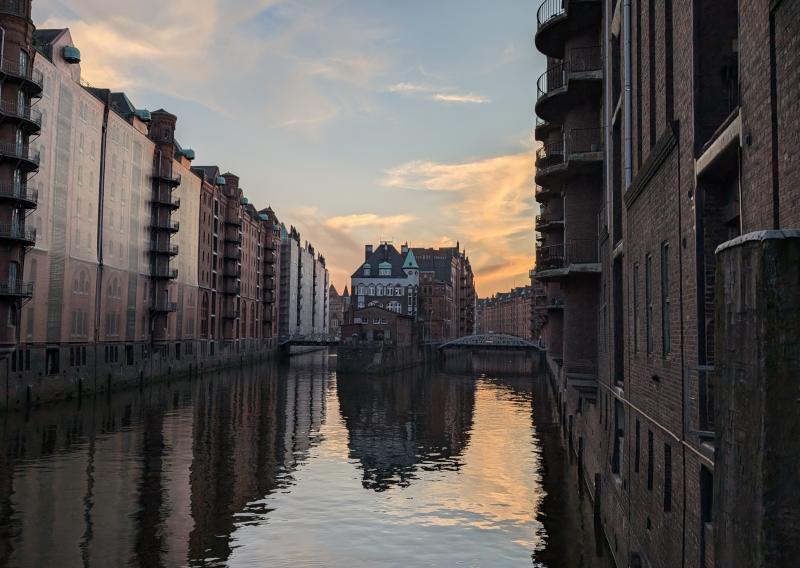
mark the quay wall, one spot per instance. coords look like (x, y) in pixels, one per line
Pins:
(29, 377)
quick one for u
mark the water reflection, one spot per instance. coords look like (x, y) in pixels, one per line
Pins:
(405, 422)
(285, 467)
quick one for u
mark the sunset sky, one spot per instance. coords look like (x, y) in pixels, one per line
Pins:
(357, 121)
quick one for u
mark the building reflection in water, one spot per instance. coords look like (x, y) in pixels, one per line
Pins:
(156, 477)
(405, 422)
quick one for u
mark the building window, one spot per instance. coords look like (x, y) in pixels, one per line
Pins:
(619, 437)
(635, 307)
(637, 450)
(650, 457)
(667, 478)
(666, 344)
(648, 301)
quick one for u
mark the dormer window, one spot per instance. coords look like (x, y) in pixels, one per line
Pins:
(367, 270)
(385, 269)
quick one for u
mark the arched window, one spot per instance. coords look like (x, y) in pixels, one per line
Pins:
(362, 289)
(114, 290)
(380, 289)
(395, 306)
(252, 320)
(372, 290)
(81, 283)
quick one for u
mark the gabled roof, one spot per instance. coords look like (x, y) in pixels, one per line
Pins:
(385, 256)
(411, 260)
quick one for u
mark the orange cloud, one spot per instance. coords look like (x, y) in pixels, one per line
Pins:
(489, 208)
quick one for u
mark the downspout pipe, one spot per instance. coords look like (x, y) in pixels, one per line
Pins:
(628, 124)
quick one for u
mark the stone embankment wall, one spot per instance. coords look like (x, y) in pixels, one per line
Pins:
(30, 379)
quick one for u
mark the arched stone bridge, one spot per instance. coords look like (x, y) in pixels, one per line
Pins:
(490, 341)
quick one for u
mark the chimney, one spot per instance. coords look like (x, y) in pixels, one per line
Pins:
(367, 252)
(404, 249)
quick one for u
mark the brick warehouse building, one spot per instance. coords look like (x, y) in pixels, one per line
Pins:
(506, 312)
(447, 293)
(123, 260)
(667, 129)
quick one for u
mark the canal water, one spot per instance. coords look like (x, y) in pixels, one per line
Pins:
(296, 466)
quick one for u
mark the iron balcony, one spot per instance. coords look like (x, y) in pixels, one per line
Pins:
(22, 153)
(22, 196)
(29, 119)
(164, 248)
(167, 176)
(165, 273)
(30, 79)
(556, 20)
(169, 202)
(9, 232)
(16, 289)
(164, 307)
(231, 313)
(232, 289)
(166, 226)
(569, 82)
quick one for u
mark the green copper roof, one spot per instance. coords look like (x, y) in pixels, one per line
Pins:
(411, 260)
(385, 264)
(189, 153)
(221, 180)
(71, 54)
(143, 114)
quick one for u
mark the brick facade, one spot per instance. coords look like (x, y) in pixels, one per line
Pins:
(628, 234)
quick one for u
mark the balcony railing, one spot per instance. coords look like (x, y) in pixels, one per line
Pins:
(232, 288)
(232, 271)
(548, 10)
(585, 59)
(27, 73)
(166, 174)
(233, 220)
(584, 140)
(21, 111)
(550, 154)
(548, 257)
(553, 78)
(167, 201)
(16, 289)
(170, 273)
(165, 307)
(234, 254)
(17, 233)
(20, 152)
(165, 248)
(582, 251)
(167, 226)
(27, 194)
(581, 60)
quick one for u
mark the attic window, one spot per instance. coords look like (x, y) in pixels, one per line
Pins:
(385, 272)
(367, 270)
